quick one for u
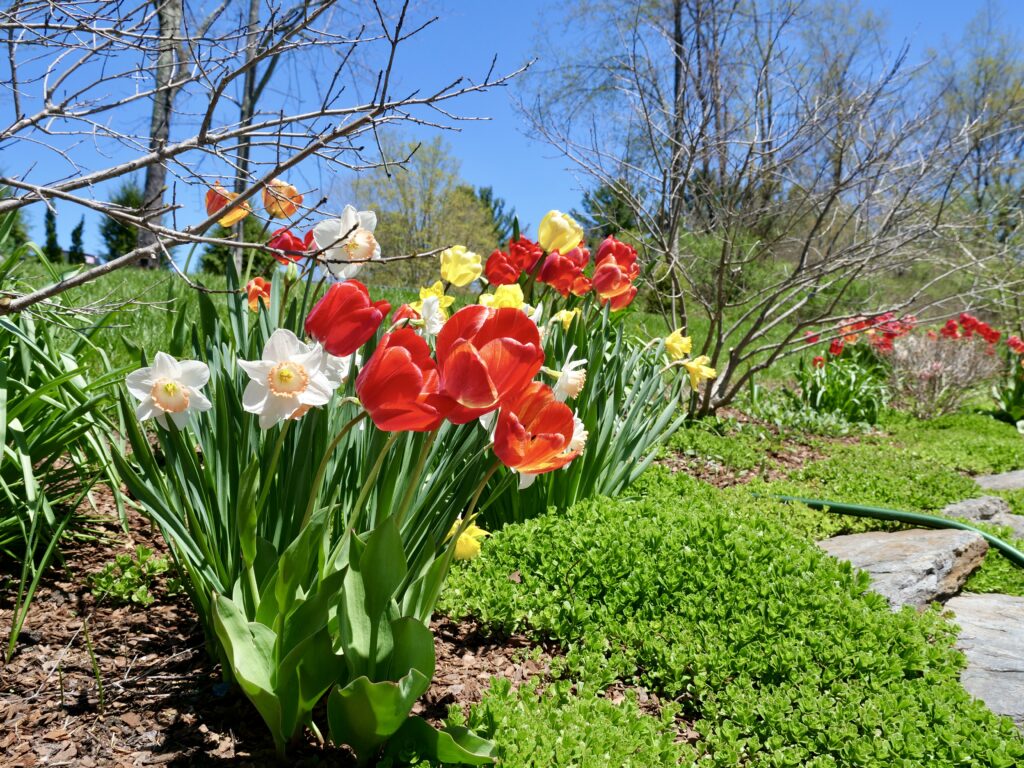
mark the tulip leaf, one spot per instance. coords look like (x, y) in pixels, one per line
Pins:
(413, 649)
(453, 744)
(364, 714)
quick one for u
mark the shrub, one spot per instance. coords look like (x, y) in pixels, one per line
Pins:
(933, 374)
(843, 385)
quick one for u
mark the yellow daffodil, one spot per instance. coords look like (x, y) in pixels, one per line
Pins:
(504, 296)
(699, 370)
(677, 345)
(565, 317)
(460, 266)
(559, 232)
(436, 291)
(468, 545)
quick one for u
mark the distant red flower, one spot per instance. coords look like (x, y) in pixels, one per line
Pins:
(399, 385)
(284, 240)
(950, 330)
(988, 333)
(1016, 344)
(932, 334)
(811, 338)
(836, 347)
(818, 362)
(486, 356)
(345, 318)
(534, 431)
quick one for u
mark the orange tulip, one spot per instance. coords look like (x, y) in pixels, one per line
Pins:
(217, 198)
(280, 199)
(258, 290)
(534, 432)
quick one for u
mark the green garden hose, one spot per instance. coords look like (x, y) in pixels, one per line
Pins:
(1011, 553)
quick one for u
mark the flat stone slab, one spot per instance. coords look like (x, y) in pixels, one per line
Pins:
(992, 639)
(1005, 481)
(987, 509)
(914, 567)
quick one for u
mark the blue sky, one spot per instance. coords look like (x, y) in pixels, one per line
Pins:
(530, 175)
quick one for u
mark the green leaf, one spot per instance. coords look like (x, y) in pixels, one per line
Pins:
(453, 744)
(364, 714)
(246, 513)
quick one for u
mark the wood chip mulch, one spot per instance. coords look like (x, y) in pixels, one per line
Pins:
(162, 699)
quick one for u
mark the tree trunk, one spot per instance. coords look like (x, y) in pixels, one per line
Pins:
(169, 15)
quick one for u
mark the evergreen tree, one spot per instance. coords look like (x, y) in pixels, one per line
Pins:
(76, 253)
(605, 213)
(501, 218)
(52, 248)
(118, 238)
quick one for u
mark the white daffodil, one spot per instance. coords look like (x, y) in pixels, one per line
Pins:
(348, 238)
(571, 379)
(337, 369)
(287, 381)
(433, 316)
(169, 388)
(579, 434)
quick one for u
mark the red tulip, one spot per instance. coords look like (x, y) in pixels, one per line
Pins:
(560, 272)
(818, 362)
(258, 290)
(501, 269)
(284, 240)
(534, 431)
(405, 312)
(345, 318)
(622, 254)
(524, 253)
(836, 347)
(398, 387)
(613, 284)
(485, 356)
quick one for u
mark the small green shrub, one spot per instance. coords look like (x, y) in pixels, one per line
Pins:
(535, 729)
(131, 578)
(844, 385)
(785, 412)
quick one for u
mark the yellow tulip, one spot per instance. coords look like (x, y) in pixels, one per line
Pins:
(677, 345)
(460, 266)
(504, 296)
(565, 317)
(699, 371)
(559, 232)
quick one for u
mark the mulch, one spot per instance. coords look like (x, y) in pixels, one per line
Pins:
(162, 699)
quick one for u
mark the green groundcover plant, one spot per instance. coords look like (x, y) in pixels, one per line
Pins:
(777, 653)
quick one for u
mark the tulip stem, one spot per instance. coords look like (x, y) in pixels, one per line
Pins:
(414, 482)
(322, 469)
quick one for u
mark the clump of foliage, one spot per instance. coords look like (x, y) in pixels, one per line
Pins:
(842, 385)
(131, 578)
(786, 412)
(556, 727)
(961, 442)
(734, 445)
(743, 622)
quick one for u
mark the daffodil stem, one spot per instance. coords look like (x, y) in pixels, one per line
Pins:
(414, 481)
(364, 492)
(314, 490)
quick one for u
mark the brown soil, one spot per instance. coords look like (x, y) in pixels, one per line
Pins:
(162, 699)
